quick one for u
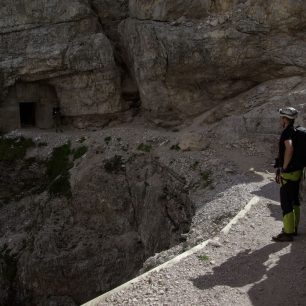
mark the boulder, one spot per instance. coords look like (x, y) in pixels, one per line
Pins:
(192, 141)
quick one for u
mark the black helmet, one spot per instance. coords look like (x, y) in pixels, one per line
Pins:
(288, 112)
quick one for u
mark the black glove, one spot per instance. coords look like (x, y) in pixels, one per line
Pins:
(276, 163)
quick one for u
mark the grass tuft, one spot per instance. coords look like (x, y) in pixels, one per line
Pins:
(203, 257)
(144, 147)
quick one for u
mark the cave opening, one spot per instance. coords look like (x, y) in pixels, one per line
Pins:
(27, 114)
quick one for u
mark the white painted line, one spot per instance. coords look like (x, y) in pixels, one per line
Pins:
(240, 215)
(176, 259)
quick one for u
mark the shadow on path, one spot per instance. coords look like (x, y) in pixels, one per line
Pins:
(273, 279)
(285, 283)
(275, 211)
(269, 191)
(243, 269)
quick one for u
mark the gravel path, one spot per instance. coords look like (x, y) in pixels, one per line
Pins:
(241, 267)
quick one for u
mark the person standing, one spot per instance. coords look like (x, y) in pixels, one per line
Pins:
(288, 175)
(57, 119)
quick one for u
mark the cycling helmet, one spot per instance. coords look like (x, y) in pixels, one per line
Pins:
(288, 112)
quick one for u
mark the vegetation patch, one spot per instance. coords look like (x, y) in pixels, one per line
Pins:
(81, 140)
(144, 147)
(175, 147)
(8, 262)
(14, 148)
(79, 152)
(206, 178)
(33, 176)
(114, 164)
(195, 165)
(58, 167)
(60, 186)
(107, 139)
(26, 177)
(203, 257)
(42, 144)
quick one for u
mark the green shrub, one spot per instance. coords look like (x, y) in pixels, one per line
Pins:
(195, 165)
(9, 269)
(58, 167)
(59, 161)
(107, 139)
(14, 148)
(206, 178)
(79, 152)
(203, 257)
(175, 147)
(42, 144)
(144, 147)
(114, 164)
(81, 140)
(61, 186)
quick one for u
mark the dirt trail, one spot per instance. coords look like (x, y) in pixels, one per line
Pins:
(242, 267)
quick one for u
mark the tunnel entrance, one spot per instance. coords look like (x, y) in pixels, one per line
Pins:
(28, 105)
(27, 114)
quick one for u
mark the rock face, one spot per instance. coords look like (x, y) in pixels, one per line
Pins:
(70, 251)
(62, 46)
(180, 57)
(214, 52)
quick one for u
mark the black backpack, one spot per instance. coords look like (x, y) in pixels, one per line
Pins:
(300, 145)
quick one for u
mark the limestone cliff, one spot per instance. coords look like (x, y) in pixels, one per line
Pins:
(61, 45)
(180, 57)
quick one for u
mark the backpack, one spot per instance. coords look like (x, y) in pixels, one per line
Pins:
(300, 145)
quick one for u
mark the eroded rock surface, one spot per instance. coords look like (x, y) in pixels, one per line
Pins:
(62, 45)
(186, 64)
(121, 212)
(179, 57)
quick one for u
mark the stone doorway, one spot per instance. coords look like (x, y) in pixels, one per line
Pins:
(27, 111)
(28, 105)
